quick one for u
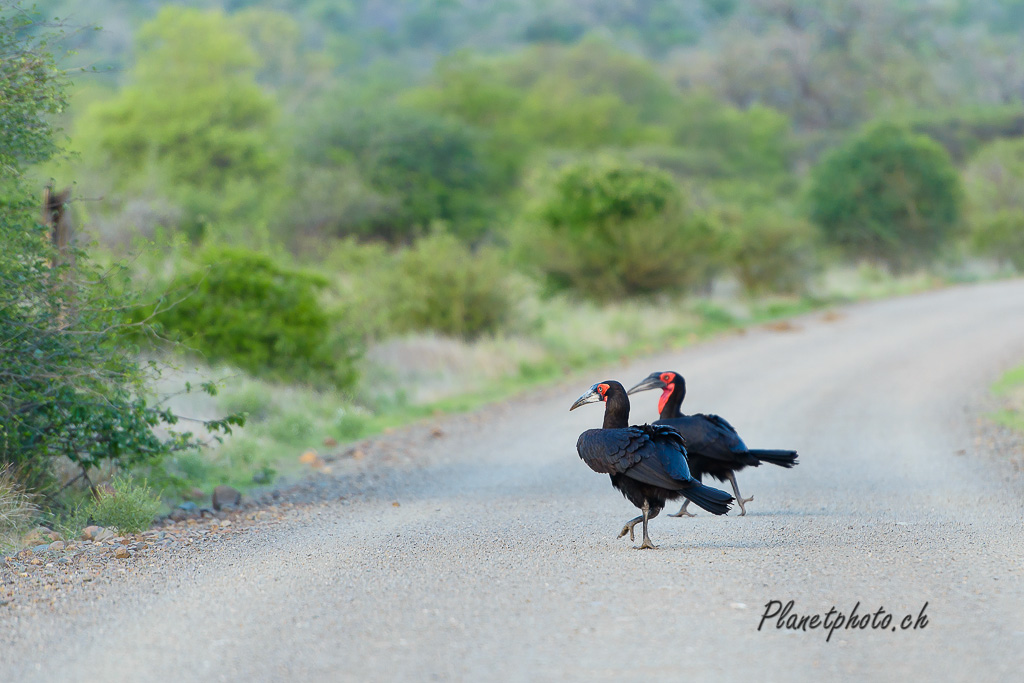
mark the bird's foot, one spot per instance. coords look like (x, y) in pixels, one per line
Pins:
(647, 544)
(741, 501)
(683, 513)
(628, 529)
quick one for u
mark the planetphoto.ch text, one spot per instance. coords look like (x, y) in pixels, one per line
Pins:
(782, 616)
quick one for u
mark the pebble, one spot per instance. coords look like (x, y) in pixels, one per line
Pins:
(62, 580)
(51, 578)
(225, 495)
(40, 535)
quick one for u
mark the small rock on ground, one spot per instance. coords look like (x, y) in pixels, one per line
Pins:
(224, 496)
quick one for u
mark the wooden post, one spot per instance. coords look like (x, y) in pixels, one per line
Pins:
(58, 219)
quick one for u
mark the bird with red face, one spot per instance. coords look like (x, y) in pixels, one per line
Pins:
(646, 463)
(712, 445)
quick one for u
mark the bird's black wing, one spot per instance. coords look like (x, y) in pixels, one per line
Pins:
(649, 454)
(709, 436)
(610, 451)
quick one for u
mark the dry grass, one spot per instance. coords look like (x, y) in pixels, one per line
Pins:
(16, 510)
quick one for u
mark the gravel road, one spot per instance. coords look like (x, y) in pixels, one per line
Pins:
(490, 552)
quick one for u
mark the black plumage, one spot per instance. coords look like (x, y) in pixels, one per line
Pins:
(646, 463)
(713, 446)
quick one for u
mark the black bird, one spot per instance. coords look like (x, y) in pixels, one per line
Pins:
(646, 463)
(712, 445)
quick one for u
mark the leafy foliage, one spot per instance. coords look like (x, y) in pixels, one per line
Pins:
(245, 308)
(31, 87)
(69, 385)
(963, 133)
(609, 228)
(887, 195)
(583, 96)
(772, 252)
(440, 285)
(195, 113)
(129, 508)
(425, 167)
(995, 203)
(436, 284)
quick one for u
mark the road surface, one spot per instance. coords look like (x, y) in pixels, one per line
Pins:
(501, 560)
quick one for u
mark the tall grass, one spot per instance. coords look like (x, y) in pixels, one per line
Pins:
(16, 510)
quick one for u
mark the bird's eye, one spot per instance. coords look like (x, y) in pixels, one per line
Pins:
(667, 377)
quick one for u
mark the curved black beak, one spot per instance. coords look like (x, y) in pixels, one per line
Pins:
(652, 381)
(592, 396)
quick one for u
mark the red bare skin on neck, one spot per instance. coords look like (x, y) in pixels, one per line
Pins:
(664, 396)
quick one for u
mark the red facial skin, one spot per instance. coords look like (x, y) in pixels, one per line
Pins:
(669, 379)
(603, 390)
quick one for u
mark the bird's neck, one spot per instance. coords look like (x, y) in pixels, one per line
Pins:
(673, 405)
(616, 412)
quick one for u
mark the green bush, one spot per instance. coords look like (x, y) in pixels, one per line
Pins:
(773, 252)
(995, 202)
(1001, 235)
(439, 284)
(887, 195)
(609, 228)
(130, 508)
(422, 167)
(244, 308)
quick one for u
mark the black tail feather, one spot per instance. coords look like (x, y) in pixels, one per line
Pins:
(780, 458)
(714, 501)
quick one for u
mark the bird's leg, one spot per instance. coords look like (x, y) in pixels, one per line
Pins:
(739, 499)
(682, 511)
(628, 529)
(646, 509)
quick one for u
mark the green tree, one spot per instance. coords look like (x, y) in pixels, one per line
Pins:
(70, 386)
(772, 252)
(439, 284)
(609, 228)
(430, 167)
(194, 111)
(887, 195)
(31, 87)
(995, 203)
(585, 96)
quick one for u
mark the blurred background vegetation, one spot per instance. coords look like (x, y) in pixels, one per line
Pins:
(356, 213)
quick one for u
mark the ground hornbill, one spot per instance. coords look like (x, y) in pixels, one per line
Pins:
(646, 463)
(712, 445)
